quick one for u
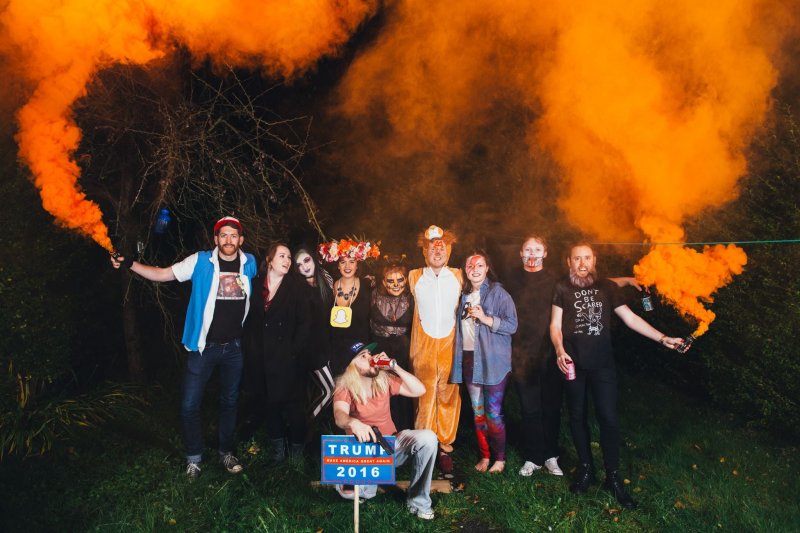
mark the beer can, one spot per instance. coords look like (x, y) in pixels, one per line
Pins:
(570, 371)
(647, 303)
(382, 363)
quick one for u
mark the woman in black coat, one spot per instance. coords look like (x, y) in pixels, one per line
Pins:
(276, 353)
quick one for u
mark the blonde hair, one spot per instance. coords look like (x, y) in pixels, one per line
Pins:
(350, 380)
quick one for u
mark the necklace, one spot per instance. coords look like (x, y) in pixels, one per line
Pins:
(346, 295)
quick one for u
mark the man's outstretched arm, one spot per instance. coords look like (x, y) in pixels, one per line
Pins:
(640, 326)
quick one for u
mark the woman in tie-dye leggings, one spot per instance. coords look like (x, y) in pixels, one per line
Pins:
(483, 355)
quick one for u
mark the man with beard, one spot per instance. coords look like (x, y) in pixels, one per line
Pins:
(221, 286)
(437, 291)
(538, 381)
(361, 403)
(580, 328)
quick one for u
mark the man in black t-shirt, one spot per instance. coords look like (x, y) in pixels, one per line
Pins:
(580, 328)
(221, 285)
(537, 378)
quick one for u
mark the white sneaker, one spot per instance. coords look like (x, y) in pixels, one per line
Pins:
(192, 471)
(419, 513)
(528, 469)
(552, 466)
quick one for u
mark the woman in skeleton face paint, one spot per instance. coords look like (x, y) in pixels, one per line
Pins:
(483, 355)
(310, 270)
(391, 314)
(319, 284)
(533, 252)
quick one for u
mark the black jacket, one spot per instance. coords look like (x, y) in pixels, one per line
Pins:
(276, 348)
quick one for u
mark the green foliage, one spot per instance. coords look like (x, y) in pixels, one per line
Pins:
(42, 300)
(38, 323)
(748, 361)
(751, 352)
(33, 429)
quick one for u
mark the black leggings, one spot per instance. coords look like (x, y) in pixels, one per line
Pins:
(540, 405)
(603, 384)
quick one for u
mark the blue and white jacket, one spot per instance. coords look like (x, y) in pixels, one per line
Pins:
(203, 269)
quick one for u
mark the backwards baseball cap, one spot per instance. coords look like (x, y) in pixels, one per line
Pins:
(228, 221)
(358, 347)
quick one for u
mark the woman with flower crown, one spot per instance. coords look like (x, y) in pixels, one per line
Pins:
(349, 318)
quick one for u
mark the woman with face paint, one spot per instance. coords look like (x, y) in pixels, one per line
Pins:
(391, 314)
(317, 277)
(277, 363)
(482, 359)
(349, 314)
(319, 284)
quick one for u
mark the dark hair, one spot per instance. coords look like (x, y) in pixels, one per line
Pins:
(322, 279)
(272, 249)
(490, 275)
(579, 243)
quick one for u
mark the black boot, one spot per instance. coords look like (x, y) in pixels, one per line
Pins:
(615, 486)
(583, 480)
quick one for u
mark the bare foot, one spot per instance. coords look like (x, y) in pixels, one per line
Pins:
(482, 465)
(497, 467)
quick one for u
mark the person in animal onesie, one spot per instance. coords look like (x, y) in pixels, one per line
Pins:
(436, 289)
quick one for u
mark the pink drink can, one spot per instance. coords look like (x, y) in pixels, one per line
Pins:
(570, 371)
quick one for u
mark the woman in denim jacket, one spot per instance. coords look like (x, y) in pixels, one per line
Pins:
(483, 355)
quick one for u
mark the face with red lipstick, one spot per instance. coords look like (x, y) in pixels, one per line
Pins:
(348, 267)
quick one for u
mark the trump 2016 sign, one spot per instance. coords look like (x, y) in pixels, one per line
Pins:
(349, 462)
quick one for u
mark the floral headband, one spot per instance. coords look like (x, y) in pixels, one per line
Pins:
(335, 250)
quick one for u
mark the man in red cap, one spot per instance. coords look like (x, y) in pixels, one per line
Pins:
(221, 285)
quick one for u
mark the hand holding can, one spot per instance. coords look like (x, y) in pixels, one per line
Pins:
(570, 375)
(383, 363)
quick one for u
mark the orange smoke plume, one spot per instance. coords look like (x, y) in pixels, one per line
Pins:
(652, 130)
(646, 107)
(685, 277)
(57, 46)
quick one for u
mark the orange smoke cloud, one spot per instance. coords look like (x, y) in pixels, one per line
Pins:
(56, 46)
(650, 128)
(646, 107)
(685, 277)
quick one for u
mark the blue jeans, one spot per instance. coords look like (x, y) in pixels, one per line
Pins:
(421, 447)
(199, 367)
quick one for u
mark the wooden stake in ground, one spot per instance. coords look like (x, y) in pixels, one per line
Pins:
(355, 508)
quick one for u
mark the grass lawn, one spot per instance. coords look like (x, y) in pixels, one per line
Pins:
(690, 468)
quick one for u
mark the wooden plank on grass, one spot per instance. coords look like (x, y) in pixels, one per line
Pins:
(443, 486)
